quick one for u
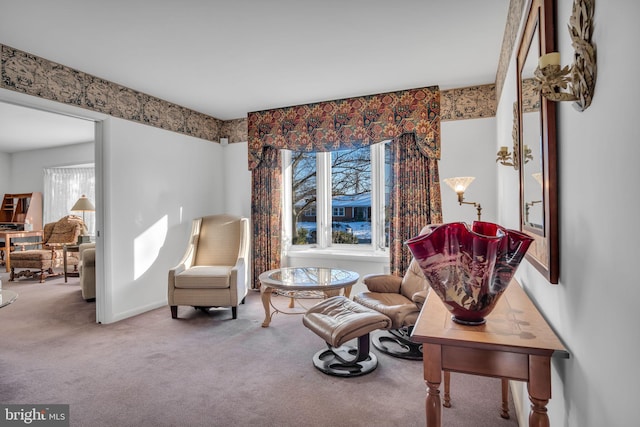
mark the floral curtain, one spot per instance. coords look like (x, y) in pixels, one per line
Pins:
(415, 198)
(349, 123)
(266, 215)
(411, 117)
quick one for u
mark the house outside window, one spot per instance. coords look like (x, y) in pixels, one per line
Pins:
(336, 199)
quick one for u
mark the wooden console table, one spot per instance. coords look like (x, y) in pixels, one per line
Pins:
(515, 343)
(7, 235)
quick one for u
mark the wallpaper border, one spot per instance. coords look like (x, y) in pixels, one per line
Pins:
(30, 74)
(27, 73)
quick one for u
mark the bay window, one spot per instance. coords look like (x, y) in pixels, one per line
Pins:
(336, 199)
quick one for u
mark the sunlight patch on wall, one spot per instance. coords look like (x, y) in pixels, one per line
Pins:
(147, 245)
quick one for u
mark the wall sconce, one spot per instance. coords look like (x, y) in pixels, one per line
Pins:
(580, 78)
(459, 185)
(507, 158)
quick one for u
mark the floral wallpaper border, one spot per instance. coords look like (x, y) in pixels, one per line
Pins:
(26, 73)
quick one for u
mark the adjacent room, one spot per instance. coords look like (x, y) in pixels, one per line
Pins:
(305, 213)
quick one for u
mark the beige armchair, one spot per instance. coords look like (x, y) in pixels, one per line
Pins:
(55, 235)
(214, 271)
(87, 269)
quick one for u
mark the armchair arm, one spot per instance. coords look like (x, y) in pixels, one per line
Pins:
(420, 297)
(383, 283)
(238, 280)
(22, 245)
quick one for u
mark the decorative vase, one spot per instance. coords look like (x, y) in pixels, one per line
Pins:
(469, 268)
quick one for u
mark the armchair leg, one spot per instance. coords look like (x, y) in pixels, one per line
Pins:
(234, 312)
(174, 311)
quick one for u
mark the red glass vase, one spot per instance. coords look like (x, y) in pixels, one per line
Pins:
(469, 268)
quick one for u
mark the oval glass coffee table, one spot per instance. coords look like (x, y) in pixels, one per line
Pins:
(291, 280)
(7, 297)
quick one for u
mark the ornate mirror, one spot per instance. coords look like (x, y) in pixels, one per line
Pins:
(537, 143)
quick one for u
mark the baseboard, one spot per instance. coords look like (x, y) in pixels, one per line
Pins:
(138, 310)
(517, 393)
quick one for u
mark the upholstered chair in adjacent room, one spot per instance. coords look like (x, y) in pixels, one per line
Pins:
(214, 271)
(87, 270)
(43, 262)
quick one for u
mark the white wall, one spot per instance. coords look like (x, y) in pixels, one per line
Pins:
(468, 149)
(5, 173)
(593, 308)
(27, 166)
(237, 178)
(155, 183)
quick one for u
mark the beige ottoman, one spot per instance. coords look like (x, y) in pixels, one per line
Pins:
(338, 320)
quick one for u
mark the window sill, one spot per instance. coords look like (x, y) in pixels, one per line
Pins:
(361, 256)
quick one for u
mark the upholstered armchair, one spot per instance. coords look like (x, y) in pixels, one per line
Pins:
(87, 270)
(214, 270)
(50, 255)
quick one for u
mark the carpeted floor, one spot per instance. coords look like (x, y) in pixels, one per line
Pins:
(205, 369)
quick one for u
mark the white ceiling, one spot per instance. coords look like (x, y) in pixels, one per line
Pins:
(226, 58)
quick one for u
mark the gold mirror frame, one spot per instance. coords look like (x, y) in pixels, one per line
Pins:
(543, 253)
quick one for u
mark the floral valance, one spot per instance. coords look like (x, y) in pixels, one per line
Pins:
(349, 123)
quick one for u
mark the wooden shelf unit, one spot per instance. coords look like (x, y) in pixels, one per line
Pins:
(20, 208)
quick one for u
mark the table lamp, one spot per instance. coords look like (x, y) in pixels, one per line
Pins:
(83, 204)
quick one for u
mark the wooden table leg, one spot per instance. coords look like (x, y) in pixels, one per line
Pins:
(539, 387)
(64, 256)
(7, 247)
(265, 293)
(432, 360)
(505, 399)
(447, 389)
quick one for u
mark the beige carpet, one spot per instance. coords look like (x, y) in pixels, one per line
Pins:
(205, 369)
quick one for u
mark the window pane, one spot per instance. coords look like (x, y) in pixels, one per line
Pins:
(303, 170)
(388, 183)
(351, 196)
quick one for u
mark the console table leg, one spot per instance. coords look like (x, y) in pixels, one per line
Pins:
(447, 389)
(505, 399)
(539, 390)
(432, 361)
(538, 416)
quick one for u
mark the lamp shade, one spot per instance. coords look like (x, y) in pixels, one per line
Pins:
(83, 204)
(460, 183)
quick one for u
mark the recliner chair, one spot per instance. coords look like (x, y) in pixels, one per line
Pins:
(401, 299)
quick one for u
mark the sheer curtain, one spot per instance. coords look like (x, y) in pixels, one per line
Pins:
(62, 189)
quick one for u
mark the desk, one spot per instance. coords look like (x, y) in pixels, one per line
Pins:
(7, 297)
(327, 280)
(7, 235)
(515, 343)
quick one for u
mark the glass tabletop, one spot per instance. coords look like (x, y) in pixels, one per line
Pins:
(7, 297)
(309, 278)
